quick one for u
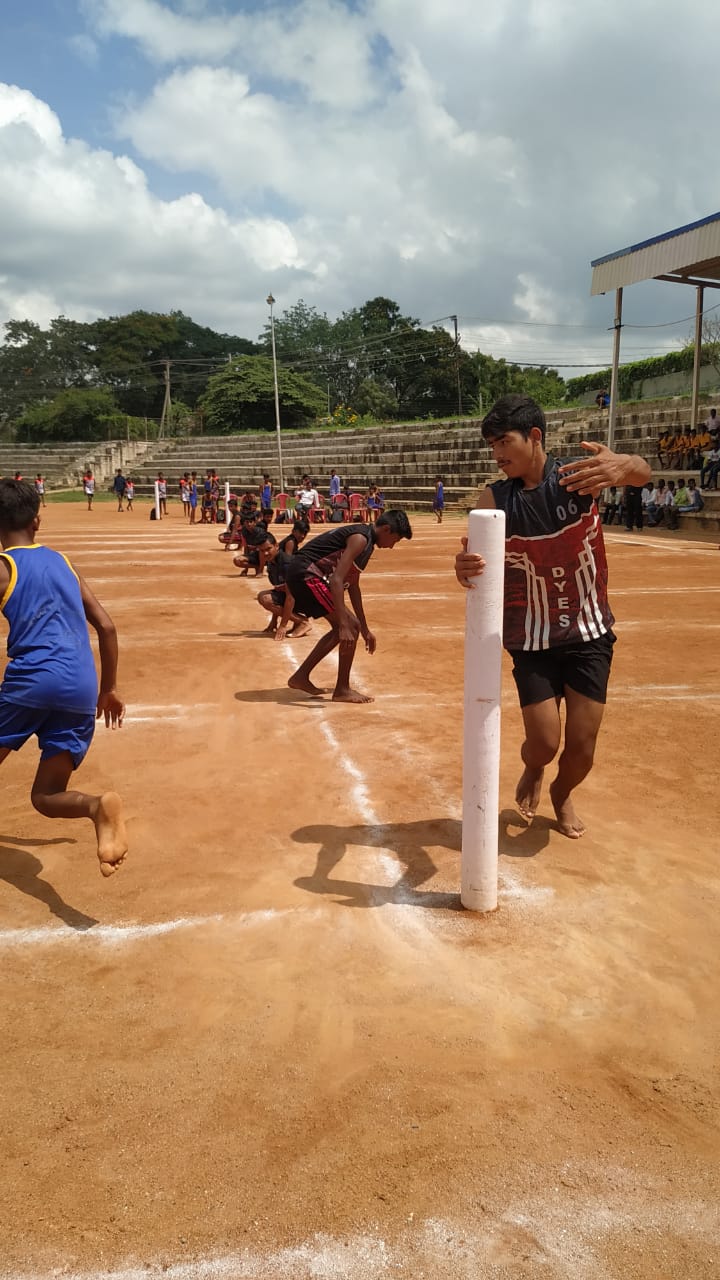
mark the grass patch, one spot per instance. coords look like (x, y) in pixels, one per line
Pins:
(76, 495)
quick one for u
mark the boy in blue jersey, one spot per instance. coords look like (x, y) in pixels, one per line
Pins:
(50, 686)
(557, 620)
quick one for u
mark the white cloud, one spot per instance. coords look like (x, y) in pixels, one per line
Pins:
(84, 235)
(461, 157)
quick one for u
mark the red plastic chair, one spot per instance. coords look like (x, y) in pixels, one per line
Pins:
(282, 500)
(317, 514)
(356, 512)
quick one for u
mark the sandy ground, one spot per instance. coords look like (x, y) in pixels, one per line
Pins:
(273, 1045)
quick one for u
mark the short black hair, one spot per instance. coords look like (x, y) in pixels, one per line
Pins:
(19, 504)
(513, 413)
(397, 521)
(300, 526)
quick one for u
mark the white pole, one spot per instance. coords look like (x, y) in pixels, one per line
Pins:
(481, 747)
(271, 302)
(228, 516)
(157, 501)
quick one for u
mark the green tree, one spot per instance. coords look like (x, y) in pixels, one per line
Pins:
(73, 415)
(302, 335)
(242, 397)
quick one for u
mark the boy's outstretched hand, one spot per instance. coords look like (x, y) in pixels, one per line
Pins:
(112, 708)
(467, 566)
(591, 475)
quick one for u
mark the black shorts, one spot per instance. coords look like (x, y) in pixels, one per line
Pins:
(584, 667)
(311, 594)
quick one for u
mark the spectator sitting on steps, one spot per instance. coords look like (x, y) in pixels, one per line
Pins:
(696, 499)
(681, 498)
(654, 501)
(664, 502)
(664, 447)
(682, 445)
(709, 469)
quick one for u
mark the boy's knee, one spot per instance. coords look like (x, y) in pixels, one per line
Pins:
(540, 749)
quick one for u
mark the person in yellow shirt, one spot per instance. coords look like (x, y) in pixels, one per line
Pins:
(682, 444)
(668, 444)
(666, 440)
(702, 443)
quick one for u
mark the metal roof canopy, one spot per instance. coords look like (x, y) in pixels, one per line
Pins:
(687, 255)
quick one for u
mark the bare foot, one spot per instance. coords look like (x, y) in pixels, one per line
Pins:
(270, 629)
(111, 833)
(350, 695)
(300, 629)
(305, 686)
(527, 792)
(568, 822)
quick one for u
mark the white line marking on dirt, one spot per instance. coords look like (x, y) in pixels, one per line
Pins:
(566, 1242)
(663, 591)
(116, 934)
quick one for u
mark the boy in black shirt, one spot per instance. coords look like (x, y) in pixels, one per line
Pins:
(274, 599)
(557, 620)
(317, 577)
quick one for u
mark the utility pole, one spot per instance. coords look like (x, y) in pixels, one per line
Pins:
(167, 402)
(457, 365)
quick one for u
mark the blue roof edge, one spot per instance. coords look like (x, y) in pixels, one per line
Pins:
(667, 235)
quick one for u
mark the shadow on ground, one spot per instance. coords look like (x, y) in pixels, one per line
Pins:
(407, 843)
(21, 869)
(288, 697)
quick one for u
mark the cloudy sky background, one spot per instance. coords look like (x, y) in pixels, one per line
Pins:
(459, 156)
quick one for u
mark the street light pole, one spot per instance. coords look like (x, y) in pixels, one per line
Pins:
(271, 302)
(457, 365)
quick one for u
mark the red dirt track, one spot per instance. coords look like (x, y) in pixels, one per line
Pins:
(322, 1067)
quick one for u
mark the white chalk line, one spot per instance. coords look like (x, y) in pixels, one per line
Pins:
(567, 1240)
(661, 591)
(509, 882)
(116, 934)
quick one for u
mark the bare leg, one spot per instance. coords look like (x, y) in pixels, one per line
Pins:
(343, 691)
(50, 797)
(542, 739)
(301, 679)
(584, 717)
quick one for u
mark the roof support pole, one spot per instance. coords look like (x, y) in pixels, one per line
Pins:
(612, 415)
(697, 358)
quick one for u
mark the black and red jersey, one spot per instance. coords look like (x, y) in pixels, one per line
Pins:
(322, 554)
(555, 564)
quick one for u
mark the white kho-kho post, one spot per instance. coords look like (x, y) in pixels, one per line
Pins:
(481, 745)
(157, 501)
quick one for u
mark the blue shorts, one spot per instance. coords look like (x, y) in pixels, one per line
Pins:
(56, 730)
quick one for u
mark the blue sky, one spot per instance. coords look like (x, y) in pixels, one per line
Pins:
(461, 158)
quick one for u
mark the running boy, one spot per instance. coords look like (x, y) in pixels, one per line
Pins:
(50, 686)
(315, 581)
(558, 624)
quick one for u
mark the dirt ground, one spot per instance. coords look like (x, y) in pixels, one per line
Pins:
(273, 1045)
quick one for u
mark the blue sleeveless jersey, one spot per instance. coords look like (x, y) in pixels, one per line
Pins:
(555, 565)
(51, 662)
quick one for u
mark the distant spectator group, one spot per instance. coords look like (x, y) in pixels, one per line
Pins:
(693, 449)
(654, 504)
